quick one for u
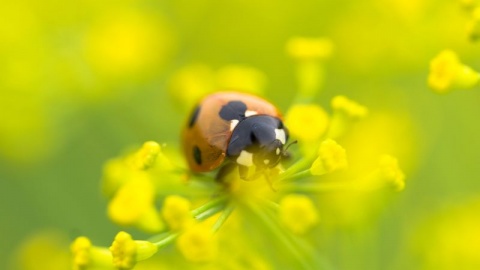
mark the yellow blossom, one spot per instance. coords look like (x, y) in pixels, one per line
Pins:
(345, 113)
(45, 249)
(198, 244)
(306, 122)
(309, 54)
(298, 213)
(387, 174)
(331, 157)
(348, 107)
(390, 172)
(145, 157)
(127, 252)
(302, 48)
(448, 73)
(118, 171)
(176, 212)
(133, 205)
(86, 256)
(241, 78)
(126, 42)
(450, 239)
(115, 174)
(188, 85)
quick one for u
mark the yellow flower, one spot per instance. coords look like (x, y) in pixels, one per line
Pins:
(331, 157)
(176, 212)
(198, 244)
(118, 171)
(302, 48)
(241, 78)
(450, 239)
(86, 256)
(45, 249)
(133, 205)
(126, 42)
(348, 107)
(145, 157)
(390, 172)
(346, 112)
(189, 84)
(448, 73)
(309, 54)
(115, 174)
(298, 213)
(306, 122)
(126, 252)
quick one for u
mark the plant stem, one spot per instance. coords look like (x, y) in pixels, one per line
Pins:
(167, 240)
(221, 220)
(274, 227)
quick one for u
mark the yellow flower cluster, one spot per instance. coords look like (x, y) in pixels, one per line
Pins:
(176, 212)
(309, 55)
(307, 122)
(189, 84)
(126, 252)
(331, 157)
(447, 73)
(197, 244)
(86, 256)
(298, 213)
(146, 190)
(305, 49)
(123, 254)
(390, 172)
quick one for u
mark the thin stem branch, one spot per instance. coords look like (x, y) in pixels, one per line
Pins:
(274, 227)
(223, 218)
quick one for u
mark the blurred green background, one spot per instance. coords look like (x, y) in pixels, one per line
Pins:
(82, 81)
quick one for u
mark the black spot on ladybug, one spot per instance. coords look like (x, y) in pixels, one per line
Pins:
(233, 110)
(197, 155)
(194, 117)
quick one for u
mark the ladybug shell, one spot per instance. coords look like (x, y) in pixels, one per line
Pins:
(208, 131)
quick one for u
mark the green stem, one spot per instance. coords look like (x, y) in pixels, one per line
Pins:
(221, 220)
(202, 211)
(298, 175)
(298, 166)
(318, 187)
(318, 260)
(167, 240)
(280, 234)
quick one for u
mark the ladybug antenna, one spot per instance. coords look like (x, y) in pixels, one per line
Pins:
(284, 152)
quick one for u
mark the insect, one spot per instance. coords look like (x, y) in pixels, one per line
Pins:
(237, 129)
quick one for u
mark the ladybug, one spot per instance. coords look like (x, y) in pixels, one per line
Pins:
(239, 129)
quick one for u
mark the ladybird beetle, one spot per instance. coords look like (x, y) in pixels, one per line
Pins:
(241, 129)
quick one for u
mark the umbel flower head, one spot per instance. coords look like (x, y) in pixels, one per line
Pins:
(447, 73)
(205, 217)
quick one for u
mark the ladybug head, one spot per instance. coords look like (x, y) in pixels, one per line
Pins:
(258, 140)
(269, 155)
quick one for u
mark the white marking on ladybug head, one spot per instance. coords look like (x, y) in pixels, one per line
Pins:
(245, 158)
(266, 161)
(233, 124)
(277, 151)
(280, 135)
(250, 113)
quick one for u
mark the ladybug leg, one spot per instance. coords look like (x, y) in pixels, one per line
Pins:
(243, 171)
